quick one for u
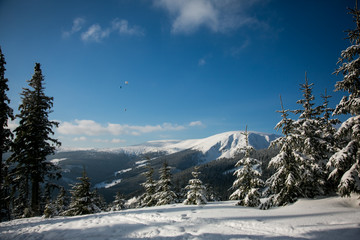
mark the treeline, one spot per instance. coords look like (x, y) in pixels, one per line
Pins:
(83, 200)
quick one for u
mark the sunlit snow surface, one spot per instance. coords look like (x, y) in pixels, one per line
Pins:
(328, 218)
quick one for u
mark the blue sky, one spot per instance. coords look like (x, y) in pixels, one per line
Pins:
(194, 67)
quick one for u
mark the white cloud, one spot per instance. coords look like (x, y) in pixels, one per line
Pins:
(95, 33)
(12, 124)
(76, 27)
(116, 140)
(196, 124)
(81, 127)
(79, 139)
(217, 15)
(92, 128)
(123, 28)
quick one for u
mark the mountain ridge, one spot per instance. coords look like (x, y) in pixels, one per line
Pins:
(221, 145)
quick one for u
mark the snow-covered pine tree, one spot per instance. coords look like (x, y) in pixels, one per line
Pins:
(164, 195)
(33, 142)
(284, 184)
(327, 121)
(99, 200)
(308, 136)
(119, 202)
(62, 201)
(148, 198)
(20, 204)
(345, 163)
(82, 201)
(6, 113)
(328, 130)
(50, 210)
(48, 204)
(248, 183)
(196, 191)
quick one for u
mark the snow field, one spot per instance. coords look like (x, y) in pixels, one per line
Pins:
(328, 218)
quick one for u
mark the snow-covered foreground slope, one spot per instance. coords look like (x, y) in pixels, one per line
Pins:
(329, 218)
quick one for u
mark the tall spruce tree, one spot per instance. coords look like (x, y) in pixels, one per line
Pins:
(196, 194)
(308, 136)
(248, 183)
(345, 163)
(6, 113)
(33, 143)
(164, 195)
(284, 184)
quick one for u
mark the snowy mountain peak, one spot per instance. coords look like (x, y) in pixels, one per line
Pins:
(223, 145)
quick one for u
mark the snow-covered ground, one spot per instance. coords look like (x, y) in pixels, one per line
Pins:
(328, 218)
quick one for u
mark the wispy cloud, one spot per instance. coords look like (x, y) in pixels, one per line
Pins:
(123, 28)
(78, 23)
(114, 140)
(92, 128)
(217, 15)
(237, 50)
(79, 139)
(196, 124)
(95, 33)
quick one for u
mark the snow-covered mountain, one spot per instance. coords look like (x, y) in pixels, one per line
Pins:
(121, 169)
(223, 145)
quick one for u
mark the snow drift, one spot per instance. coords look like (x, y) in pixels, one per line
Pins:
(328, 218)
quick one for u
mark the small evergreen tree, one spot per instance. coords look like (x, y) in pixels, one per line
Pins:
(164, 195)
(33, 142)
(148, 198)
(6, 113)
(50, 210)
(248, 182)
(345, 163)
(99, 200)
(119, 202)
(58, 206)
(62, 201)
(82, 201)
(196, 190)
